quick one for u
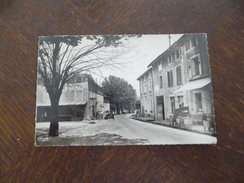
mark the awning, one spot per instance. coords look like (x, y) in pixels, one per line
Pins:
(192, 85)
(72, 103)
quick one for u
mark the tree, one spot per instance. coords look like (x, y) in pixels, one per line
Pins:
(61, 58)
(123, 95)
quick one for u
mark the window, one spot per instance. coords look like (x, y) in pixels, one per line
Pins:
(92, 95)
(196, 67)
(150, 86)
(188, 45)
(180, 100)
(198, 102)
(161, 81)
(194, 41)
(191, 43)
(169, 59)
(145, 88)
(170, 78)
(178, 75)
(159, 66)
(172, 100)
(78, 79)
(177, 54)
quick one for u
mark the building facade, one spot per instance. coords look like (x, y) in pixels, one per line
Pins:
(81, 98)
(182, 88)
(168, 75)
(146, 94)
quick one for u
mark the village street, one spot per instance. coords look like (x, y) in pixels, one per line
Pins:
(119, 131)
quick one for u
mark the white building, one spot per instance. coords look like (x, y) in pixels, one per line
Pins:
(81, 98)
(181, 83)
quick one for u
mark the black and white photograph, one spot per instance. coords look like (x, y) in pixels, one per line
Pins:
(113, 90)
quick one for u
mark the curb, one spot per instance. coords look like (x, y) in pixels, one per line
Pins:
(144, 120)
(187, 129)
(178, 128)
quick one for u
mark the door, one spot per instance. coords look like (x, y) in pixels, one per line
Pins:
(160, 108)
(198, 102)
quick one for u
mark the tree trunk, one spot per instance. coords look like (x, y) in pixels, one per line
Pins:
(118, 108)
(54, 118)
(54, 94)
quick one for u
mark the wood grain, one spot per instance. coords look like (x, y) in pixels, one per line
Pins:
(22, 21)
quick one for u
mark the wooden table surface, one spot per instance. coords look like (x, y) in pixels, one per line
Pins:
(22, 21)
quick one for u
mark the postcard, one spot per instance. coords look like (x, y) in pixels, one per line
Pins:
(117, 90)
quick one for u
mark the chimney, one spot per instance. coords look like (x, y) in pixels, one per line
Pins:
(169, 40)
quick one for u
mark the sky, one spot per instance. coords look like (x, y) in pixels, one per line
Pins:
(132, 56)
(139, 52)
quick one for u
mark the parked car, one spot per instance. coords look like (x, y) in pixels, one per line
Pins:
(108, 114)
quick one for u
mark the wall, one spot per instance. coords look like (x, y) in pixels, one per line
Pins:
(72, 93)
(146, 94)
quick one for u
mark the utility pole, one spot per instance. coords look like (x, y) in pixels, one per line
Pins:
(169, 40)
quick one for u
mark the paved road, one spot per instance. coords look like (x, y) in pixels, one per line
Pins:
(155, 134)
(121, 131)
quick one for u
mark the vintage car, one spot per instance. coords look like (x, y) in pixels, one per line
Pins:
(108, 114)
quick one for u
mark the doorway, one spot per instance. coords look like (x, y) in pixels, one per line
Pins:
(198, 102)
(160, 108)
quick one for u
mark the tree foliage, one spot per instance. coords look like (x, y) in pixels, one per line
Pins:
(61, 58)
(123, 95)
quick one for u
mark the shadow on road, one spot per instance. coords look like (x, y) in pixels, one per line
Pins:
(100, 139)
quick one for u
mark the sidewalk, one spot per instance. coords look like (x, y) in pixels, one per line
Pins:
(145, 119)
(194, 128)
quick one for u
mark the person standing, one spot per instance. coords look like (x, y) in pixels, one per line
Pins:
(113, 114)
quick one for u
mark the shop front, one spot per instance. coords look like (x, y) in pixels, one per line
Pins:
(198, 100)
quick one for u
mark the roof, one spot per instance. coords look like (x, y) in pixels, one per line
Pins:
(144, 73)
(106, 96)
(173, 47)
